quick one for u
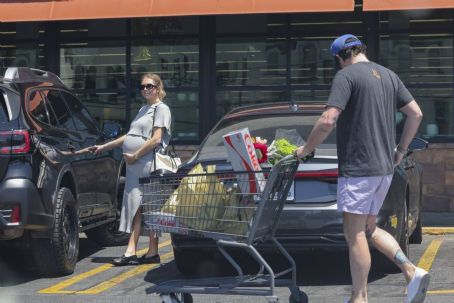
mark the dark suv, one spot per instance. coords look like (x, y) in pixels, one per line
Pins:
(51, 187)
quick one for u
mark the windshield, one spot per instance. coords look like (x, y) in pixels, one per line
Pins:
(296, 128)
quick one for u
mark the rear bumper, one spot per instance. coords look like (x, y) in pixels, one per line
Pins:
(23, 193)
(291, 244)
(299, 229)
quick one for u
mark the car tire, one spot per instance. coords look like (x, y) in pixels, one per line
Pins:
(416, 236)
(58, 254)
(108, 234)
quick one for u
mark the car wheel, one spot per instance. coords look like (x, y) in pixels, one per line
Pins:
(58, 254)
(108, 234)
(301, 297)
(416, 236)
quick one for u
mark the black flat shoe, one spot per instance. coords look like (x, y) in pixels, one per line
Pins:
(149, 260)
(123, 260)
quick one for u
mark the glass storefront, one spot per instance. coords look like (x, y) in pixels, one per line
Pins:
(252, 59)
(418, 46)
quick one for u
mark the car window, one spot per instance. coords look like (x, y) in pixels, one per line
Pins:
(265, 127)
(81, 116)
(3, 112)
(38, 108)
(62, 117)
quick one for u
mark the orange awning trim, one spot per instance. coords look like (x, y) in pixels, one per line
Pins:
(31, 10)
(383, 5)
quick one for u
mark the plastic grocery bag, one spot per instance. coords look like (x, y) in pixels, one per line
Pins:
(238, 213)
(198, 201)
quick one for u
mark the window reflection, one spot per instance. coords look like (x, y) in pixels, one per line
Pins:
(177, 64)
(419, 48)
(93, 67)
(105, 106)
(250, 63)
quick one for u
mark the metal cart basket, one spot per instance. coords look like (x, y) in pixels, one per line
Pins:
(236, 209)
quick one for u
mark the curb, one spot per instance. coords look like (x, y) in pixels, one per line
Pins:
(437, 230)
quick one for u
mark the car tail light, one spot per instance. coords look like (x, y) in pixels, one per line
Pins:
(14, 142)
(318, 174)
(15, 214)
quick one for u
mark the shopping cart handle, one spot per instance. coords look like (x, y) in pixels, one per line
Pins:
(305, 159)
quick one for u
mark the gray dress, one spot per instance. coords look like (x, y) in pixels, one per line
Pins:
(141, 130)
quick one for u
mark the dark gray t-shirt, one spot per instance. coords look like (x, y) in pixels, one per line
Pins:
(368, 95)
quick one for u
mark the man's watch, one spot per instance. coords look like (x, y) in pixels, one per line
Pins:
(402, 150)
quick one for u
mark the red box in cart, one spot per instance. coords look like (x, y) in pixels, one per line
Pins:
(241, 153)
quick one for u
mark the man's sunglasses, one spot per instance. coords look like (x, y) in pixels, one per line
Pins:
(148, 86)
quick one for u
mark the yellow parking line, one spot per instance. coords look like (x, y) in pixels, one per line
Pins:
(441, 292)
(122, 277)
(438, 230)
(59, 287)
(429, 255)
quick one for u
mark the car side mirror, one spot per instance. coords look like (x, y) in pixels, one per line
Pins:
(111, 129)
(417, 144)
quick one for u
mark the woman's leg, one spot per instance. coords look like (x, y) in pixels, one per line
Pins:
(134, 238)
(152, 244)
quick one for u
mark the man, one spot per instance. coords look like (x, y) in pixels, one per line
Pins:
(362, 105)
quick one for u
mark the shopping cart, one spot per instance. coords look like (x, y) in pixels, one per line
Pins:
(236, 209)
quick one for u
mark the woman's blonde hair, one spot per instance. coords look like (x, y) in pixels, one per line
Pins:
(157, 80)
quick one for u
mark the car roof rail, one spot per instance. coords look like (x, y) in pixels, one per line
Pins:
(24, 74)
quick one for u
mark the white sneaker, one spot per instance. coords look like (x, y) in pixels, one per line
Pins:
(417, 287)
(347, 300)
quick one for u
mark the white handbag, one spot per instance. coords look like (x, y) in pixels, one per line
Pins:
(165, 161)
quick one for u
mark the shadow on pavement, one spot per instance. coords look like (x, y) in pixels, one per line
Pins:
(17, 268)
(313, 269)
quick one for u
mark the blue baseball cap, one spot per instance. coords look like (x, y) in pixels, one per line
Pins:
(343, 42)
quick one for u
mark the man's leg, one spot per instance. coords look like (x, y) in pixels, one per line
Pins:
(355, 234)
(417, 278)
(386, 244)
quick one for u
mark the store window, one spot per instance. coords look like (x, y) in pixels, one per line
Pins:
(93, 65)
(249, 71)
(176, 60)
(418, 46)
(165, 27)
(22, 45)
(311, 64)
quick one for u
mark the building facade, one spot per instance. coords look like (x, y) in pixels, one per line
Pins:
(213, 63)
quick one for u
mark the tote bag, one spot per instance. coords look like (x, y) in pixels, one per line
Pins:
(165, 162)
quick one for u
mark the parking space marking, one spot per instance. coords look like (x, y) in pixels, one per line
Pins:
(122, 277)
(429, 255)
(59, 287)
(438, 230)
(441, 292)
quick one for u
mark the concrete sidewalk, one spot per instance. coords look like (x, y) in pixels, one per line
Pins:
(438, 223)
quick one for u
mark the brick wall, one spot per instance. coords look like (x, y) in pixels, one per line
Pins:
(438, 177)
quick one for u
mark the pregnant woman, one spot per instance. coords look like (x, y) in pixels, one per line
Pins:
(149, 129)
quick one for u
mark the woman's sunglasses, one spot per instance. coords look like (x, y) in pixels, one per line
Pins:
(148, 86)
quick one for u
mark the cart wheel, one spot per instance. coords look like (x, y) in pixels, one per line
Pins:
(180, 298)
(301, 298)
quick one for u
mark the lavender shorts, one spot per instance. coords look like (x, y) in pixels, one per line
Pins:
(362, 195)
